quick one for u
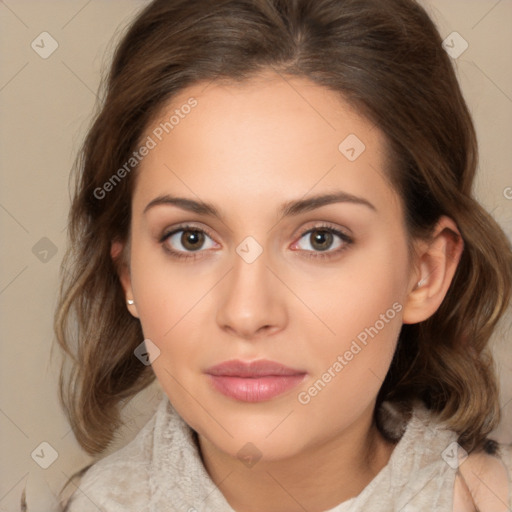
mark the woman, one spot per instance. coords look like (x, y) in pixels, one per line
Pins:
(274, 217)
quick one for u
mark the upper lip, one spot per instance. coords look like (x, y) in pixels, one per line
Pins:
(260, 368)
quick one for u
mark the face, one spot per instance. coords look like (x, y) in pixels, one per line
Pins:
(268, 262)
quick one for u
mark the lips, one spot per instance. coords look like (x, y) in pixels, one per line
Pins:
(254, 381)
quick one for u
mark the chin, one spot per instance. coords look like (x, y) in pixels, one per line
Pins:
(267, 437)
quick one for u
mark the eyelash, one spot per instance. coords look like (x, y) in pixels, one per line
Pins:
(309, 254)
(180, 255)
(346, 239)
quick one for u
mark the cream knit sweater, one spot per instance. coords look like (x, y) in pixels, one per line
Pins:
(161, 471)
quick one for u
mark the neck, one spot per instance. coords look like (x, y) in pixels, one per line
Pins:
(317, 478)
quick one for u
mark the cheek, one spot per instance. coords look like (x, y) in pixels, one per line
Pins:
(364, 294)
(350, 366)
(174, 308)
(362, 307)
(167, 292)
(353, 360)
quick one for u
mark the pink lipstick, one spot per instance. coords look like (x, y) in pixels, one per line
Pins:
(255, 381)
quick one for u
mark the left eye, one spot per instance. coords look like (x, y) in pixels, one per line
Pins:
(322, 239)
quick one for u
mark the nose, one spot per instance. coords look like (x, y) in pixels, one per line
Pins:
(251, 302)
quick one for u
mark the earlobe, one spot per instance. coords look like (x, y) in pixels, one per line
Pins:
(436, 263)
(123, 272)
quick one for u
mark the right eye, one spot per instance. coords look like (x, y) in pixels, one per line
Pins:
(182, 241)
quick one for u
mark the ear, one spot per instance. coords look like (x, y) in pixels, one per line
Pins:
(436, 262)
(123, 271)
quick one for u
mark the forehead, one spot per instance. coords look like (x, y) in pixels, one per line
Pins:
(264, 111)
(270, 137)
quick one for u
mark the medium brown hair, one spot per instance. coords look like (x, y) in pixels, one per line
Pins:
(386, 59)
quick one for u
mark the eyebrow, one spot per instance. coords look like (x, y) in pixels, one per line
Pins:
(290, 208)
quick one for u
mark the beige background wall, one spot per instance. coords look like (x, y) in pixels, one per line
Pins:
(46, 105)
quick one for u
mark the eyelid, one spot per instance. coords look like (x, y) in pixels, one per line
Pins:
(186, 256)
(185, 227)
(344, 233)
(347, 241)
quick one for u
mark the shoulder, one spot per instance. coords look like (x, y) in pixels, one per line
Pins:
(118, 479)
(484, 481)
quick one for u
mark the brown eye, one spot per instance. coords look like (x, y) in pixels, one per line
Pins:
(192, 240)
(185, 240)
(321, 240)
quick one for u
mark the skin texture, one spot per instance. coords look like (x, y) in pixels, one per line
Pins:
(248, 149)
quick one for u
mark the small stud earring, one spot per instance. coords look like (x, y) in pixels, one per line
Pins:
(420, 283)
(130, 302)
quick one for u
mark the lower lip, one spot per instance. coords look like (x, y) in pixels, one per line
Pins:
(258, 389)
